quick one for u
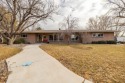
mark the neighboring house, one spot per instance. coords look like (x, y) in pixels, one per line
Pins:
(81, 36)
(121, 39)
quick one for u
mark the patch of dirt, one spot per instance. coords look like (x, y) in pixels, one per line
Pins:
(3, 71)
(17, 45)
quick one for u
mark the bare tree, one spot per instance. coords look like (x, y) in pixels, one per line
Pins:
(106, 22)
(100, 23)
(118, 7)
(69, 24)
(118, 10)
(22, 14)
(117, 26)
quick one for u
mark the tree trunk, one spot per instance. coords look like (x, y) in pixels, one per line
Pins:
(10, 42)
(2, 40)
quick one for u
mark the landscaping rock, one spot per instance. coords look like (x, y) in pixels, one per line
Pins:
(3, 71)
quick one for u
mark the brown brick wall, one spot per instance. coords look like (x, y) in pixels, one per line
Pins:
(87, 37)
(31, 38)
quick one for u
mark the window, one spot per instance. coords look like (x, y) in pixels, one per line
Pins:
(24, 35)
(100, 35)
(97, 35)
(50, 37)
(55, 37)
(74, 37)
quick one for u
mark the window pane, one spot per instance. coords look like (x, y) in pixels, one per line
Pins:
(94, 35)
(24, 35)
(97, 35)
(102, 35)
(50, 37)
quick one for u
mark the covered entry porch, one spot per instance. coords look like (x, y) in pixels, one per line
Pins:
(56, 37)
(47, 37)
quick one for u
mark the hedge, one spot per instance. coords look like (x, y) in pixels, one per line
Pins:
(20, 41)
(103, 42)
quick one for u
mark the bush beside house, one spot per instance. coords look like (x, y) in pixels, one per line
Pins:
(20, 41)
(104, 42)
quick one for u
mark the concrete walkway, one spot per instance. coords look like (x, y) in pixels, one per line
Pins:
(44, 69)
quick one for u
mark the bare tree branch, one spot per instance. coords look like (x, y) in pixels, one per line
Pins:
(118, 10)
(69, 24)
(21, 12)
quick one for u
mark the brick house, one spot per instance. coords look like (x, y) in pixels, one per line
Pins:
(79, 36)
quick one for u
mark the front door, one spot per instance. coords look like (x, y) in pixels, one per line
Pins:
(38, 38)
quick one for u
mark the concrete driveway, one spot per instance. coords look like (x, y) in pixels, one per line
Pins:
(33, 65)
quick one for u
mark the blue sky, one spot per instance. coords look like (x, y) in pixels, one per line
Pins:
(83, 9)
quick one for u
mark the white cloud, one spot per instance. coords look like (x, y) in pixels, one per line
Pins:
(83, 9)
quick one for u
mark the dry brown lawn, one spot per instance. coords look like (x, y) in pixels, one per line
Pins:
(6, 52)
(99, 63)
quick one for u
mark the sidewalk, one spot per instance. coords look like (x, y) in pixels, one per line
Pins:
(33, 65)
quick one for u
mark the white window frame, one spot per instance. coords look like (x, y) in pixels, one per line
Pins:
(97, 35)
